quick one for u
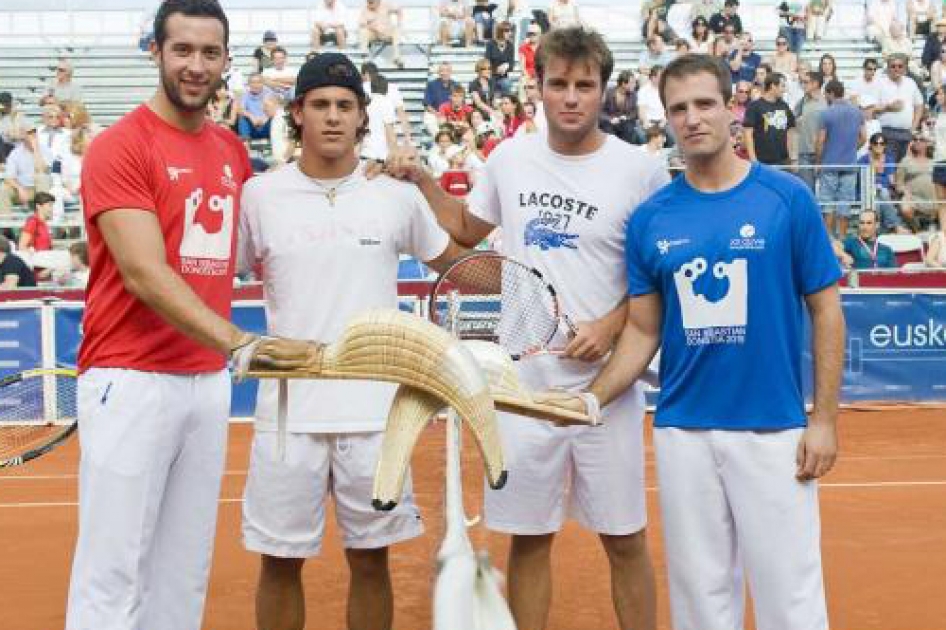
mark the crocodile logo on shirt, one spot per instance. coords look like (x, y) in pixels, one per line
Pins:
(540, 234)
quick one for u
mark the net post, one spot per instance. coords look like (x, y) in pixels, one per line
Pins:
(47, 318)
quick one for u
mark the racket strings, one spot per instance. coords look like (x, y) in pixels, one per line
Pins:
(34, 411)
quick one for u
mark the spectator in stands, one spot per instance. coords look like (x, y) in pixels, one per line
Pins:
(528, 122)
(281, 146)
(870, 85)
(527, 51)
(880, 15)
(253, 122)
(901, 107)
(920, 14)
(729, 16)
(511, 108)
(11, 125)
(530, 89)
(280, 78)
(483, 19)
(456, 22)
(35, 235)
(456, 180)
(817, 14)
(704, 9)
(808, 120)
(720, 48)
(655, 54)
(72, 164)
(939, 155)
(743, 60)
(62, 85)
(264, 53)
(233, 79)
(223, 109)
(375, 24)
(649, 106)
(865, 251)
(915, 180)
(681, 47)
(76, 116)
(897, 42)
(934, 44)
(792, 24)
(740, 100)
(884, 172)
(769, 124)
(783, 60)
(656, 144)
(840, 132)
(77, 276)
(475, 160)
(483, 88)
(501, 54)
(382, 115)
(938, 71)
(701, 37)
(53, 140)
(437, 158)
(828, 68)
(437, 93)
(370, 70)
(619, 110)
(654, 20)
(564, 13)
(486, 139)
(27, 172)
(13, 271)
(331, 17)
(455, 111)
(936, 248)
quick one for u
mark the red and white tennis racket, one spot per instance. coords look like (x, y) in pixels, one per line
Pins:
(502, 300)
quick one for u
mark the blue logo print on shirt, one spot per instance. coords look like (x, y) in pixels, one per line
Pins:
(539, 233)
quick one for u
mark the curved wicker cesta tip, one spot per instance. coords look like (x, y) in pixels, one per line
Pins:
(510, 395)
(388, 345)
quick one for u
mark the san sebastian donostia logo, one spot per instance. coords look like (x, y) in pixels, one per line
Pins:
(747, 239)
(664, 244)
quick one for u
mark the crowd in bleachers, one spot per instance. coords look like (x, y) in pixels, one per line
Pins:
(787, 111)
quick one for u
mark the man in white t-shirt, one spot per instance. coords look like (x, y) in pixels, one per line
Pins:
(563, 200)
(331, 16)
(649, 106)
(279, 77)
(901, 107)
(327, 241)
(370, 72)
(381, 118)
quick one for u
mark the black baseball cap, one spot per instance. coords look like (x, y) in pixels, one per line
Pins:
(329, 69)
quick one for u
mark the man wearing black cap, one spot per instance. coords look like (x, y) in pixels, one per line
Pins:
(264, 53)
(321, 216)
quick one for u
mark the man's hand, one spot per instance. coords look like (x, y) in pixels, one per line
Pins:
(592, 341)
(895, 106)
(403, 163)
(817, 450)
(279, 353)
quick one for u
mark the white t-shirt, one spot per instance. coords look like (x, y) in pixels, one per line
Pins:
(393, 95)
(861, 88)
(337, 16)
(905, 91)
(566, 216)
(648, 100)
(380, 113)
(324, 264)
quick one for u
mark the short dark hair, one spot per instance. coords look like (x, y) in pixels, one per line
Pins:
(575, 43)
(835, 88)
(42, 198)
(191, 8)
(689, 65)
(772, 79)
(80, 249)
(817, 77)
(295, 130)
(870, 61)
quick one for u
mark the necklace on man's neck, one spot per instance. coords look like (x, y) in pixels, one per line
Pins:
(329, 187)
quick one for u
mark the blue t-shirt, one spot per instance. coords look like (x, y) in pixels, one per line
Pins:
(746, 72)
(732, 269)
(842, 123)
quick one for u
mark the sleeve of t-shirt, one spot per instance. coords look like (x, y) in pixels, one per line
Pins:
(813, 259)
(751, 117)
(791, 117)
(117, 174)
(389, 116)
(29, 227)
(483, 200)
(424, 238)
(917, 95)
(639, 279)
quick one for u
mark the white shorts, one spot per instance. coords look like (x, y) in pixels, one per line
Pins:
(731, 504)
(153, 448)
(595, 474)
(284, 501)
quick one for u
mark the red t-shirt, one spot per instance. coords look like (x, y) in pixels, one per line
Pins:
(461, 115)
(39, 229)
(457, 183)
(192, 183)
(527, 55)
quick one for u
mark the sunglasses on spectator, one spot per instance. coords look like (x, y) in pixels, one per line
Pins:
(62, 69)
(878, 143)
(871, 68)
(895, 65)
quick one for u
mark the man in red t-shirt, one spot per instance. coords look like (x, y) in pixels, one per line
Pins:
(527, 50)
(161, 192)
(456, 111)
(35, 234)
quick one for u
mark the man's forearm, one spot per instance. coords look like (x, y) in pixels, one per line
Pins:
(450, 211)
(828, 347)
(632, 354)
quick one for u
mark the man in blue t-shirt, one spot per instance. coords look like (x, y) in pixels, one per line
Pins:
(722, 264)
(841, 132)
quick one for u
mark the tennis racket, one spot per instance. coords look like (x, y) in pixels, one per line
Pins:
(500, 299)
(37, 413)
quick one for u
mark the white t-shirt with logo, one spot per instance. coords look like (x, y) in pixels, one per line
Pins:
(322, 265)
(566, 216)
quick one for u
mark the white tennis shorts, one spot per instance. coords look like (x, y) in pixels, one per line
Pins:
(595, 474)
(284, 500)
(153, 448)
(731, 506)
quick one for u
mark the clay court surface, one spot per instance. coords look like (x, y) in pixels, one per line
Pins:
(884, 532)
